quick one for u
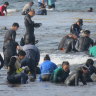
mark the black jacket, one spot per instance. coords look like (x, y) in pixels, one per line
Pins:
(75, 29)
(68, 43)
(2, 61)
(83, 43)
(75, 77)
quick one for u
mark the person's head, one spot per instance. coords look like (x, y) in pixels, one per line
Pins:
(85, 70)
(15, 26)
(6, 4)
(89, 62)
(65, 66)
(91, 9)
(47, 57)
(21, 54)
(31, 13)
(80, 22)
(31, 3)
(87, 33)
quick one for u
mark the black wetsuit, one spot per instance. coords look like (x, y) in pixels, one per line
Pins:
(75, 29)
(9, 46)
(68, 44)
(2, 61)
(30, 25)
(75, 77)
(83, 43)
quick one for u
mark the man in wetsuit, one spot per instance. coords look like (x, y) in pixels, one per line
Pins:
(27, 8)
(84, 42)
(10, 45)
(4, 8)
(67, 44)
(75, 77)
(30, 25)
(76, 28)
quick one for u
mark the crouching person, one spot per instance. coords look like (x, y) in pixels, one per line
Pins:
(47, 68)
(60, 74)
(14, 65)
(75, 77)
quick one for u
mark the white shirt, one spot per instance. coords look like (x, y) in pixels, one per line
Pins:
(26, 7)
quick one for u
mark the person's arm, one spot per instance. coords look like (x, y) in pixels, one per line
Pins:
(2, 61)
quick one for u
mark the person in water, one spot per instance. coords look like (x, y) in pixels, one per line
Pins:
(67, 44)
(32, 58)
(15, 73)
(42, 10)
(4, 8)
(60, 74)
(27, 8)
(30, 25)
(75, 77)
(76, 28)
(92, 50)
(84, 42)
(90, 10)
(1, 62)
(92, 69)
(47, 68)
(51, 4)
(10, 46)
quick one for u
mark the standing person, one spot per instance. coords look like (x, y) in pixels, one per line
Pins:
(47, 68)
(76, 28)
(60, 74)
(30, 25)
(67, 44)
(40, 2)
(27, 8)
(84, 42)
(51, 4)
(1, 61)
(13, 76)
(4, 8)
(74, 78)
(10, 46)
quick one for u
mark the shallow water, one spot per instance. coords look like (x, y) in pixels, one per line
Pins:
(55, 26)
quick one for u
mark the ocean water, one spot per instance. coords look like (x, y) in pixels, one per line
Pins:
(54, 26)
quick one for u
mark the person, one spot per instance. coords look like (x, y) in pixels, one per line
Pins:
(47, 68)
(33, 57)
(90, 10)
(40, 2)
(60, 74)
(77, 27)
(51, 4)
(92, 69)
(75, 77)
(84, 42)
(10, 46)
(42, 10)
(67, 44)
(4, 8)
(1, 62)
(92, 50)
(30, 25)
(27, 8)
(13, 76)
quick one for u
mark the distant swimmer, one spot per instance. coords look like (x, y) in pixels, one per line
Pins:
(27, 8)
(67, 44)
(3, 9)
(42, 10)
(90, 10)
(77, 27)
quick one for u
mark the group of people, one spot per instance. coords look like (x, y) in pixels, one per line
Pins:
(78, 40)
(22, 62)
